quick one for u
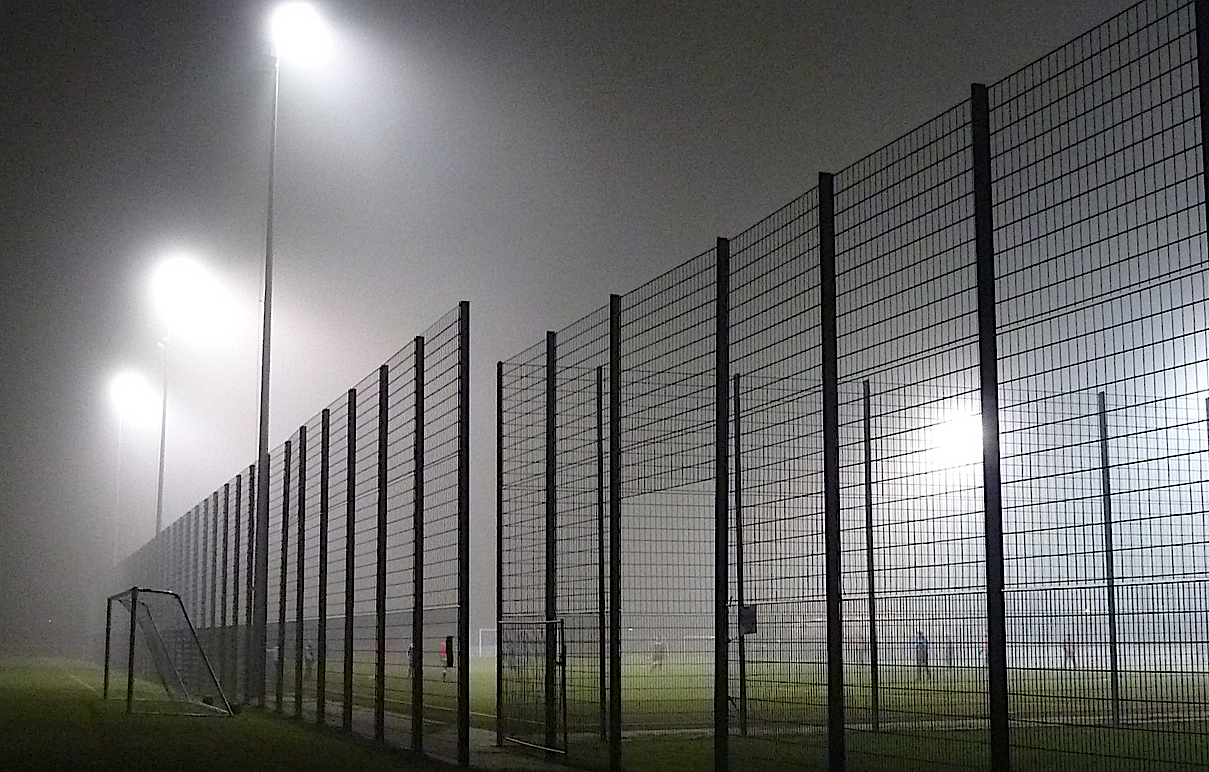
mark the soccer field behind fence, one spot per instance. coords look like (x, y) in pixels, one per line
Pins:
(909, 474)
(368, 614)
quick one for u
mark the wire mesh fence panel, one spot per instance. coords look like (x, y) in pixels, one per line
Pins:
(778, 668)
(1100, 234)
(348, 515)
(1029, 261)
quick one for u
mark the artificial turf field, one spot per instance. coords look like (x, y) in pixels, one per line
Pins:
(52, 718)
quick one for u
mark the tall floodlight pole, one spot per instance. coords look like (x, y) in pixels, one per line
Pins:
(159, 491)
(260, 598)
(297, 32)
(186, 295)
(132, 397)
(117, 501)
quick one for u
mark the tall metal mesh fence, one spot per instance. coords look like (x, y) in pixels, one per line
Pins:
(732, 534)
(368, 613)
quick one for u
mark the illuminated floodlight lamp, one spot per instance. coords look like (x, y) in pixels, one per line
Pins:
(955, 441)
(189, 299)
(134, 399)
(299, 33)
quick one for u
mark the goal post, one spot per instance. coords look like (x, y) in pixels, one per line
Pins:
(159, 656)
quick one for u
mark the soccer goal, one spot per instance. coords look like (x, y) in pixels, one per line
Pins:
(163, 663)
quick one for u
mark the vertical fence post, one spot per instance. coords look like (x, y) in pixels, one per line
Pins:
(250, 658)
(258, 633)
(380, 558)
(203, 550)
(226, 578)
(134, 605)
(988, 369)
(108, 634)
(499, 553)
(235, 585)
(463, 651)
(551, 540)
(282, 580)
(1109, 559)
(1201, 15)
(870, 566)
(325, 445)
(196, 569)
(350, 554)
(614, 533)
(300, 575)
(415, 661)
(602, 640)
(213, 565)
(836, 751)
(740, 595)
(721, 505)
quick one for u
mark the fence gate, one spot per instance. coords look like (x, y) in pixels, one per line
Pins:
(533, 684)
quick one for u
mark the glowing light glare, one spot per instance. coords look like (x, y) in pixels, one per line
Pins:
(136, 402)
(189, 299)
(956, 442)
(299, 34)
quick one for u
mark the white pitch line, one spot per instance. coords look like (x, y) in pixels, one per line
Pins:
(81, 682)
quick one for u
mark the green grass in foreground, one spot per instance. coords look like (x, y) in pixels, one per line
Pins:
(1035, 749)
(52, 718)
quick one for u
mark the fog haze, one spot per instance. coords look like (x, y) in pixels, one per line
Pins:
(527, 157)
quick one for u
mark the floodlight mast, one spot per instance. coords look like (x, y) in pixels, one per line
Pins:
(260, 600)
(159, 492)
(297, 31)
(131, 395)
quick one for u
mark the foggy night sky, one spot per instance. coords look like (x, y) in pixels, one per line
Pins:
(529, 157)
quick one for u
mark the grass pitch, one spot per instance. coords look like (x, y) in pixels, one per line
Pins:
(52, 718)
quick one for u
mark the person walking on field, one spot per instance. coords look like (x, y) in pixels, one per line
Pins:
(308, 661)
(658, 653)
(922, 670)
(1068, 652)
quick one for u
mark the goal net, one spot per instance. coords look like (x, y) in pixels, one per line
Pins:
(153, 656)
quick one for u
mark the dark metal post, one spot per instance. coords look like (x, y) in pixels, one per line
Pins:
(282, 579)
(260, 605)
(203, 533)
(1109, 560)
(380, 558)
(740, 596)
(870, 565)
(1201, 11)
(614, 533)
(235, 585)
(300, 574)
(213, 550)
(134, 604)
(251, 661)
(415, 664)
(836, 750)
(223, 663)
(463, 652)
(551, 462)
(325, 444)
(721, 506)
(600, 558)
(199, 587)
(196, 569)
(499, 553)
(350, 544)
(988, 367)
(108, 634)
